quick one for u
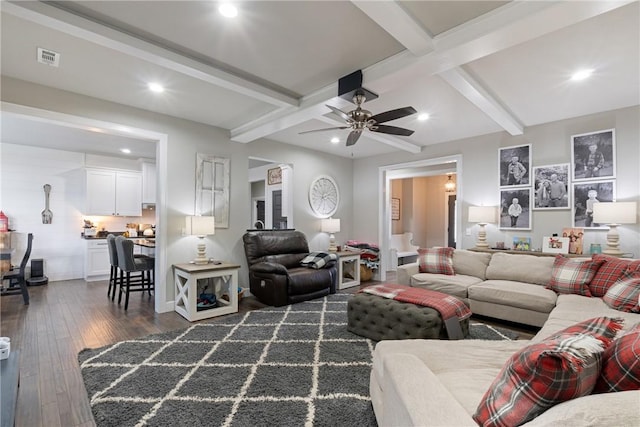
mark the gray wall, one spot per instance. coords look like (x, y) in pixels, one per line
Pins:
(185, 139)
(357, 179)
(478, 183)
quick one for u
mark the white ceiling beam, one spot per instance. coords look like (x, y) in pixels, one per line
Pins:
(57, 19)
(507, 26)
(398, 23)
(380, 137)
(313, 105)
(477, 95)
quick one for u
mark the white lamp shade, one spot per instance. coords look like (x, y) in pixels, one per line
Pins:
(330, 225)
(200, 225)
(482, 214)
(615, 212)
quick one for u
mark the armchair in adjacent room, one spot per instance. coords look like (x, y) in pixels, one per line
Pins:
(276, 276)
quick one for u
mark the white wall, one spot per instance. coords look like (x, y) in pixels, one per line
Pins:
(478, 184)
(185, 139)
(24, 171)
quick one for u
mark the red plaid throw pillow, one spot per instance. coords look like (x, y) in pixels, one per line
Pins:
(621, 364)
(563, 367)
(570, 276)
(624, 294)
(609, 272)
(436, 260)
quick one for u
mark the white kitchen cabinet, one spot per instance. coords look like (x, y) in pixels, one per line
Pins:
(148, 182)
(96, 263)
(112, 192)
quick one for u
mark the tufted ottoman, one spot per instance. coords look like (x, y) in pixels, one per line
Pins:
(381, 318)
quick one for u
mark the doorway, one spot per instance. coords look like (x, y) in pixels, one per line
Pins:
(451, 204)
(163, 288)
(426, 167)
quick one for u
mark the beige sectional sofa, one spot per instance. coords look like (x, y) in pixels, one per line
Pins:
(500, 285)
(441, 383)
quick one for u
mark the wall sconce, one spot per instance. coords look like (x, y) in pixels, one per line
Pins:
(482, 215)
(450, 185)
(200, 226)
(331, 225)
(613, 214)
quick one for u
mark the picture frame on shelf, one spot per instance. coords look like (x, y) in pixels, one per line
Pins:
(395, 209)
(551, 187)
(555, 245)
(515, 165)
(593, 155)
(518, 216)
(575, 236)
(521, 244)
(584, 195)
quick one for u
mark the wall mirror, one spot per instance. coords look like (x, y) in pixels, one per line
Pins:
(271, 194)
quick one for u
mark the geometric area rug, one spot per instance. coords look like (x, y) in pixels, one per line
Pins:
(286, 366)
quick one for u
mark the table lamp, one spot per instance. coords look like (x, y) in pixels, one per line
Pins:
(482, 215)
(200, 226)
(613, 214)
(331, 225)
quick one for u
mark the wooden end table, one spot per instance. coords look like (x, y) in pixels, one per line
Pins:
(191, 279)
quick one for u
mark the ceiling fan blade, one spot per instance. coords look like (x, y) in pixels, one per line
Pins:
(353, 137)
(322, 130)
(393, 130)
(342, 114)
(398, 113)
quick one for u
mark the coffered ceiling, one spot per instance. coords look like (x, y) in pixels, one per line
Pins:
(476, 67)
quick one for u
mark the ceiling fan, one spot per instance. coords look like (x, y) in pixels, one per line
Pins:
(359, 119)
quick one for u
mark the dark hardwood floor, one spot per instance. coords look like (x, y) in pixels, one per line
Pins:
(66, 317)
(62, 319)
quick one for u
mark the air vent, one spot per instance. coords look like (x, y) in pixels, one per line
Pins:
(48, 57)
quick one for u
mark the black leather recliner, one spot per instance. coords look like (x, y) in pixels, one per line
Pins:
(275, 274)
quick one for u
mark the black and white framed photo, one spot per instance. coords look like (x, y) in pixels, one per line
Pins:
(515, 165)
(551, 187)
(593, 155)
(515, 211)
(585, 195)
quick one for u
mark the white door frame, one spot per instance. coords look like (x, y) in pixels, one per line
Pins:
(404, 170)
(163, 289)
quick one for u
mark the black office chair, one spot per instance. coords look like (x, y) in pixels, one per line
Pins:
(129, 265)
(16, 277)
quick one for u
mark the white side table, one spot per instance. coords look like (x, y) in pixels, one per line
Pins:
(348, 269)
(190, 280)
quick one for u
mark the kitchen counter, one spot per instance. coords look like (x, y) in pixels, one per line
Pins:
(115, 233)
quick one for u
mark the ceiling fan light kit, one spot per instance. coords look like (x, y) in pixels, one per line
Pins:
(358, 120)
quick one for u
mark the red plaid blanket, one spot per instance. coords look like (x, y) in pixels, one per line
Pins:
(447, 305)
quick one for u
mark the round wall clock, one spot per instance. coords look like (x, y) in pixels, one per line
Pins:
(324, 196)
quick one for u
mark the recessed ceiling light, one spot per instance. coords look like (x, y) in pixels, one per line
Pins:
(125, 150)
(155, 87)
(228, 10)
(582, 74)
(424, 116)
(335, 139)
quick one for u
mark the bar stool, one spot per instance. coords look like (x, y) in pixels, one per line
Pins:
(135, 272)
(113, 260)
